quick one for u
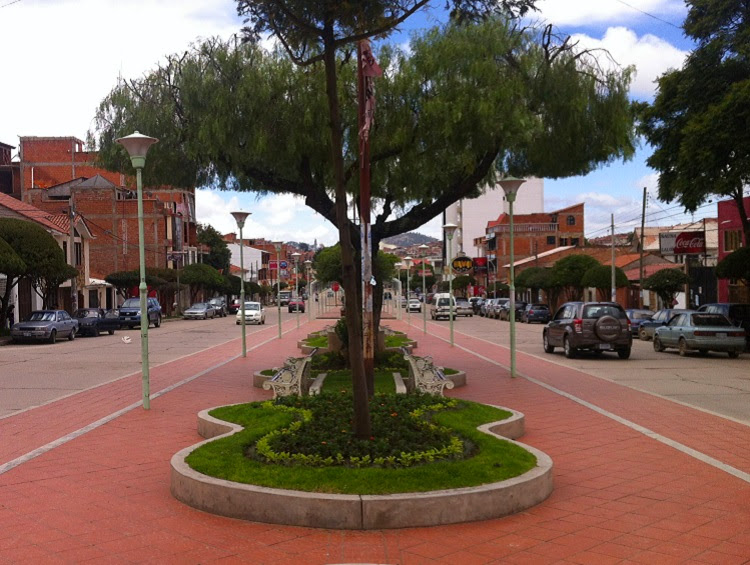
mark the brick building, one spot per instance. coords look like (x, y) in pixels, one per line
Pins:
(730, 238)
(55, 174)
(10, 177)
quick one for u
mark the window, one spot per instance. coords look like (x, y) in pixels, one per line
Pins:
(732, 240)
(563, 241)
(550, 240)
(78, 248)
(574, 241)
(571, 220)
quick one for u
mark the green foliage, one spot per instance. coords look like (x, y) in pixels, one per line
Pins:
(342, 331)
(461, 282)
(698, 122)
(10, 263)
(600, 277)
(201, 277)
(219, 255)
(47, 280)
(123, 281)
(567, 273)
(666, 283)
(328, 361)
(736, 265)
(327, 265)
(534, 278)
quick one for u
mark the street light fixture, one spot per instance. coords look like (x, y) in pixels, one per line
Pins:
(278, 282)
(398, 304)
(296, 283)
(308, 268)
(424, 249)
(510, 186)
(137, 146)
(407, 264)
(240, 218)
(449, 230)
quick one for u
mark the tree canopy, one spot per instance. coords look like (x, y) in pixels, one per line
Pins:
(567, 274)
(600, 278)
(666, 283)
(202, 277)
(699, 122)
(219, 255)
(736, 265)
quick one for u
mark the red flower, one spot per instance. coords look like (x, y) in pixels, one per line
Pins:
(323, 442)
(394, 414)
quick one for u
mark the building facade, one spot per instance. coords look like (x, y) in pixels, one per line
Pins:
(730, 238)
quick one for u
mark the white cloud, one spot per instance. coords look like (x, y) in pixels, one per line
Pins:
(651, 56)
(590, 12)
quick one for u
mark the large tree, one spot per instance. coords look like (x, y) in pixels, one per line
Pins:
(666, 283)
(12, 267)
(567, 274)
(476, 98)
(219, 254)
(699, 122)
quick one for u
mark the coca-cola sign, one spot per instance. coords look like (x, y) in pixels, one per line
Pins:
(682, 243)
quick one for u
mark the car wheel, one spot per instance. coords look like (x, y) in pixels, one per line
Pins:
(642, 334)
(703, 352)
(52, 336)
(97, 331)
(682, 347)
(111, 332)
(157, 322)
(570, 351)
(72, 335)
(624, 353)
(658, 347)
(733, 354)
(547, 347)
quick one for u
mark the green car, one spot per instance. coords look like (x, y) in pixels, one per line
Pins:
(702, 332)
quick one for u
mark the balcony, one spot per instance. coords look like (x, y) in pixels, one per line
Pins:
(517, 228)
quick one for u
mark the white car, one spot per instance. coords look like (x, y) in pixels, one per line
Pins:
(254, 314)
(414, 305)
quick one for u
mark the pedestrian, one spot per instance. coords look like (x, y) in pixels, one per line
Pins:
(11, 319)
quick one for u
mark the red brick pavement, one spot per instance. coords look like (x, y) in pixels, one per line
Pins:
(620, 496)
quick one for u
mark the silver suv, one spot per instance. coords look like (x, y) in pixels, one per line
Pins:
(593, 326)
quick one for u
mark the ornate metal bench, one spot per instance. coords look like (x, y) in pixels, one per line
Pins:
(292, 378)
(425, 376)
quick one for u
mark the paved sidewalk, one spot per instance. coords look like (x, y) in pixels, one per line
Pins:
(637, 479)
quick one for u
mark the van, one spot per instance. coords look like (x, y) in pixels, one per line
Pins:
(441, 306)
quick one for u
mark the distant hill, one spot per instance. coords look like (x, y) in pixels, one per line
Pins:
(409, 239)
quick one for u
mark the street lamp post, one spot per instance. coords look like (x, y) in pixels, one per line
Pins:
(449, 230)
(240, 218)
(308, 267)
(407, 264)
(510, 186)
(424, 249)
(296, 283)
(398, 304)
(137, 146)
(278, 282)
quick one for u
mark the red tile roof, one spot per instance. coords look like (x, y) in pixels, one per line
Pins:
(30, 212)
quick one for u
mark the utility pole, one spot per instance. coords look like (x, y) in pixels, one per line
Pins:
(643, 239)
(613, 290)
(72, 250)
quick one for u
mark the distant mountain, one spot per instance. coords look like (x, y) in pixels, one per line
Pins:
(409, 239)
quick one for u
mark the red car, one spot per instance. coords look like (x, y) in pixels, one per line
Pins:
(297, 304)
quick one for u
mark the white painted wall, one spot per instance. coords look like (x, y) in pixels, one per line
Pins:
(252, 258)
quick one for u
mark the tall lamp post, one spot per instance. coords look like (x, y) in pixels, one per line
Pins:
(137, 146)
(308, 267)
(398, 303)
(407, 264)
(240, 218)
(423, 250)
(510, 186)
(449, 230)
(278, 282)
(296, 283)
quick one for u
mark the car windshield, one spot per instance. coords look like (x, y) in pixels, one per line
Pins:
(216, 301)
(252, 306)
(539, 307)
(41, 317)
(599, 310)
(443, 302)
(702, 320)
(640, 315)
(131, 303)
(87, 314)
(198, 306)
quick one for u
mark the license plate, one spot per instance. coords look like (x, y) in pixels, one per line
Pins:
(721, 335)
(605, 346)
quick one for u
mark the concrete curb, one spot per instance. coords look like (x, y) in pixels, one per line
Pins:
(359, 512)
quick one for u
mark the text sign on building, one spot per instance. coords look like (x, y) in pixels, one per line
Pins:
(682, 243)
(461, 264)
(273, 264)
(480, 265)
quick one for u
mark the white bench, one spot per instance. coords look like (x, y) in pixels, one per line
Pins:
(425, 376)
(292, 378)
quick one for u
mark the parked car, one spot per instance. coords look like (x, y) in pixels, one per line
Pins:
(296, 305)
(660, 318)
(414, 305)
(234, 306)
(220, 305)
(637, 316)
(497, 307)
(130, 312)
(486, 307)
(476, 304)
(463, 307)
(442, 305)
(504, 311)
(535, 312)
(254, 314)
(94, 321)
(593, 326)
(199, 311)
(701, 331)
(737, 313)
(45, 325)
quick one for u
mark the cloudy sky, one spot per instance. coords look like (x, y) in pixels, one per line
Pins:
(63, 56)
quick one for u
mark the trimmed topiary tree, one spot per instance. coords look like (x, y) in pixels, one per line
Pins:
(666, 283)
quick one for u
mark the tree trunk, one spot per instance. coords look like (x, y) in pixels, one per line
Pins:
(351, 282)
(739, 199)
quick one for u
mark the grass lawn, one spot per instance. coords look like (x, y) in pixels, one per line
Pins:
(490, 459)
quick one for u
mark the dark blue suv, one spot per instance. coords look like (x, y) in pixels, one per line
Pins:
(130, 313)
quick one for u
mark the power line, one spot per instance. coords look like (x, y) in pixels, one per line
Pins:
(9, 3)
(649, 15)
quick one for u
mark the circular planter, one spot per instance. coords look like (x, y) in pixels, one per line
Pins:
(362, 512)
